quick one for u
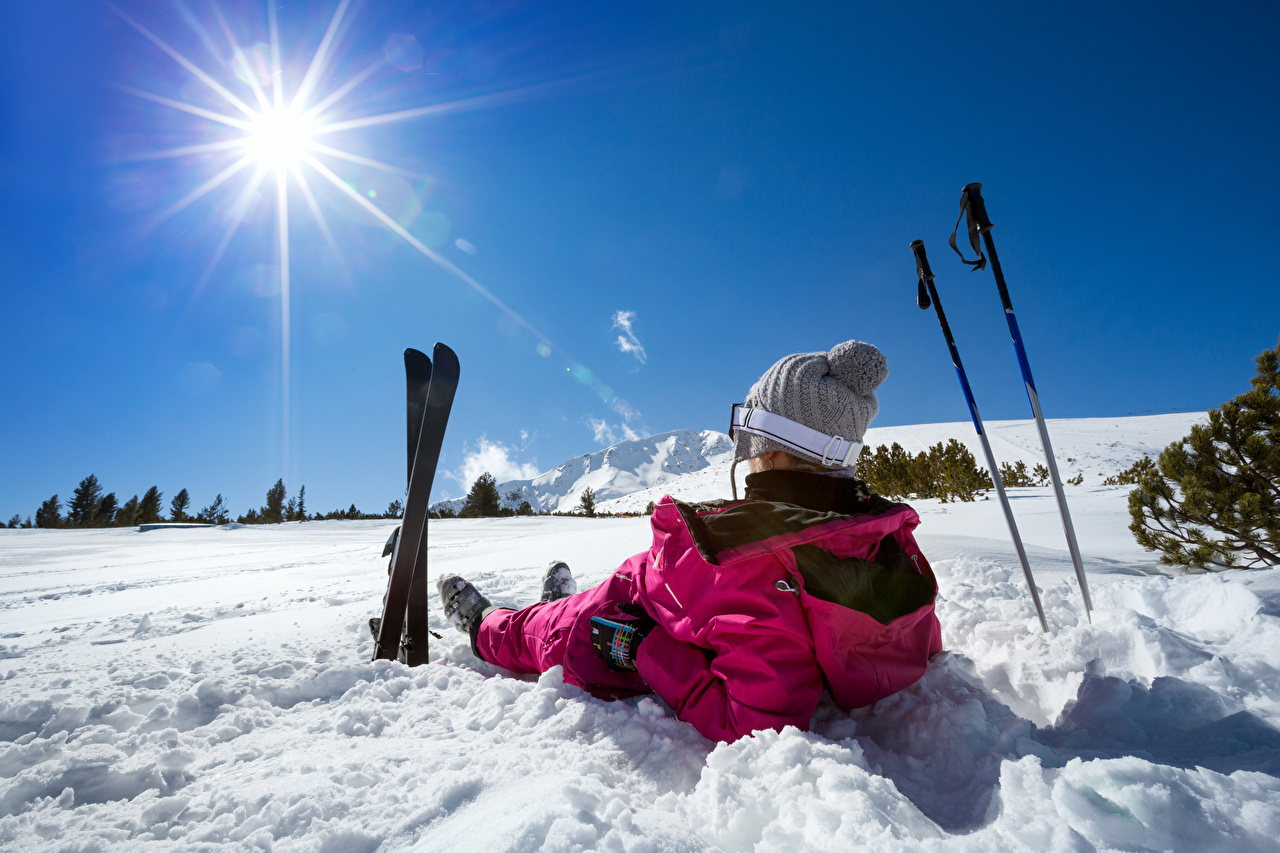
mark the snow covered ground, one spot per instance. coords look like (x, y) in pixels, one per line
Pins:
(211, 689)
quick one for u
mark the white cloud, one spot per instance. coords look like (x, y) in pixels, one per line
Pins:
(607, 433)
(495, 458)
(627, 341)
(602, 431)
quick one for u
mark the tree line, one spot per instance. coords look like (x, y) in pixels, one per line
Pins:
(92, 506)
(485, 501)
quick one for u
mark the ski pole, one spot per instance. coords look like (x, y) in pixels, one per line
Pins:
(974, 209)
(929, 293)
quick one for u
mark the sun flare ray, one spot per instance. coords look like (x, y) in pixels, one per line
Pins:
(343, 90)
(305, 186)
(238, 211)
(240, 59)
(436, 258)
(317, 66)
(202, 190)
(184, 62)
(183, 151)
(282, 230)
(277, 73)
(186, 108)
(365, 161)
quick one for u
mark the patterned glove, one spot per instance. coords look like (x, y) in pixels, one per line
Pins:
(617, 638)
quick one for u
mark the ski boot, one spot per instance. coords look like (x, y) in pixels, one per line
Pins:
(463, 604)
(557, 582)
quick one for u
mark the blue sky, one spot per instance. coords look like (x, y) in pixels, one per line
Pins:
(734, 181)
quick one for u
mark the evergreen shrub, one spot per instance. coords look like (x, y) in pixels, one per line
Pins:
(1212, 500)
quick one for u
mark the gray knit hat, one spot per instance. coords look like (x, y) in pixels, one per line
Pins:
(832, 392)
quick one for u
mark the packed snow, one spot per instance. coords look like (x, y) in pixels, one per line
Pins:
(211, 689)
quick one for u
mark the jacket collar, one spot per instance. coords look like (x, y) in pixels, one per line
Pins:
(810, 489)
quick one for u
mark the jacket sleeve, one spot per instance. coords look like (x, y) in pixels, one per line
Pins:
(758, 679)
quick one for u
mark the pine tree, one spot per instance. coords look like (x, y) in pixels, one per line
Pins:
(82, 510)
(587, 503)
(107, 509)
(524, 507)
(1015, 475)
(955, 473)
(149, 507)
(1133, 474)
(15, 521)
(300, 512)
(127, 516)
(214, 513)
(273, 512)
(49, 515)
(1214, 496)
(483, 500)
(178, 506)
(648, 510)
(27, 525)
(395, 509)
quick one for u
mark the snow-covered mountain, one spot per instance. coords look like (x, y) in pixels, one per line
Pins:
(694, 466)
(1095, 447)
(622, 469)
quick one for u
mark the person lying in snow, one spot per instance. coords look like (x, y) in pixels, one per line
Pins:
(742, 611)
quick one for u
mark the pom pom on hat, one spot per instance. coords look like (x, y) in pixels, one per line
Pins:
(857, 366)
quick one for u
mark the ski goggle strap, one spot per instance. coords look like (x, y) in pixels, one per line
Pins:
(831, 449)
(975, 232)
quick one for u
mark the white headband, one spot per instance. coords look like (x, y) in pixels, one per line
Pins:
(831, 449)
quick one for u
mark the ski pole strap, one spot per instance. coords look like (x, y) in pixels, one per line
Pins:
(971, 203)
(831, 449)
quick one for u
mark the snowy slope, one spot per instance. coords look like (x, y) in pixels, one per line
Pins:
(211, 689)
(623, 469)
(1095, 447)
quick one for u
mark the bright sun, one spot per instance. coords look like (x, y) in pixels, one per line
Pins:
(280, 138)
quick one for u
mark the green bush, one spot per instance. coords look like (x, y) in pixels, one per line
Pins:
(1213, 498)
(947, 472)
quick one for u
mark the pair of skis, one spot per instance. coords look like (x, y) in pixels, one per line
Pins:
(430, 385)
(973, 209)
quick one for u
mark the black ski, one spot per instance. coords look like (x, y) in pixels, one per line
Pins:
(417, 380)
(407, 586)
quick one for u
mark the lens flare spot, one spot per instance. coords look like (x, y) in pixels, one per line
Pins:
(328, 328)
(583, 375)
(465, 246)
(252, 66)
(246, 342)
(372, 193)
(200, 378)
(403, 51)
(543, 350)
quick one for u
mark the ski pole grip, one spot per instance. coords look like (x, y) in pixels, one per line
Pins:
(923, 272)
(977, 207)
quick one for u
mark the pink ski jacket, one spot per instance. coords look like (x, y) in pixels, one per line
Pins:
(762, 604)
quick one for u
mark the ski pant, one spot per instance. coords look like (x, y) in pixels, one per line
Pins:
(558, 633)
